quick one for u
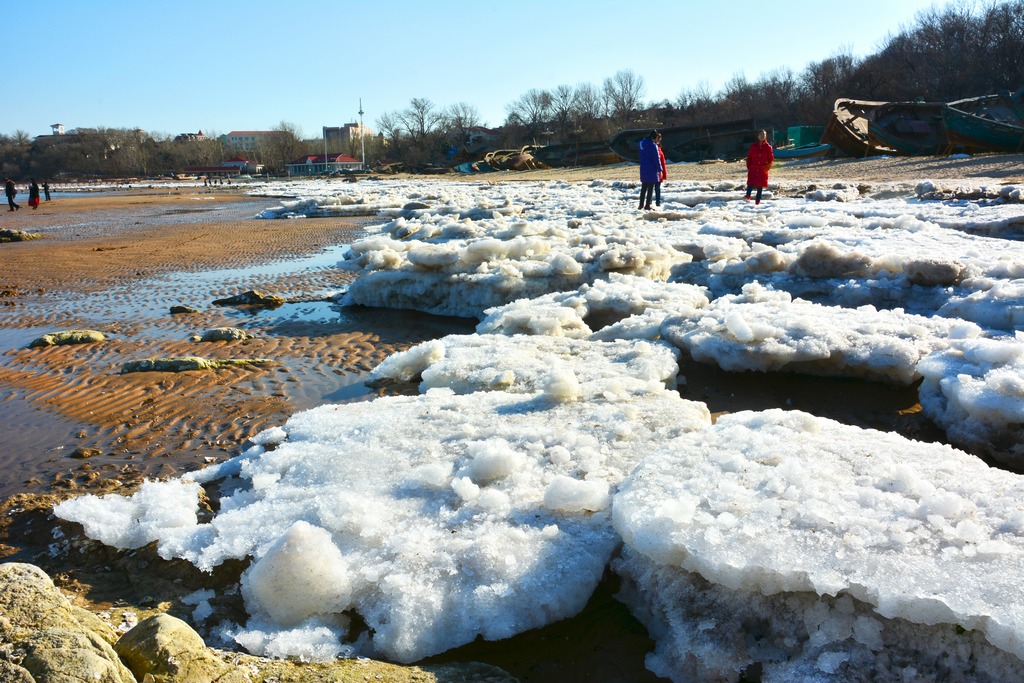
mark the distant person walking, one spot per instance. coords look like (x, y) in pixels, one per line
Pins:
(11, 192)
(46, 189)
(759, 161)
(664, 172)
(33, 193)
(650, 169)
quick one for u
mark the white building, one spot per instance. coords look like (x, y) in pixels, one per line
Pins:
(248, 140)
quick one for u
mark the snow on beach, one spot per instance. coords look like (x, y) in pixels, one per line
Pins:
(551, 445)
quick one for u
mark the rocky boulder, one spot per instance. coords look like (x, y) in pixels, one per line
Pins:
(43, 637)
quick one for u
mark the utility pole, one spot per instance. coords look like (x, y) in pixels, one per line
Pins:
(362, 132)
(324, 130)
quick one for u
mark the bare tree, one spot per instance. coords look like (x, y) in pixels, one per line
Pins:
(822, 83)
(283, 147)
(421, 119)
(462, 118)
(564, 111)
(589, 104)
(623, 93)
(393, 137)
(697, 104)
(424, 126)
(531, 112)
(738, 98)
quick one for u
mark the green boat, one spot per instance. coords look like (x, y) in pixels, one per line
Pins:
(909, 128)
(991, 123)
(811, 150)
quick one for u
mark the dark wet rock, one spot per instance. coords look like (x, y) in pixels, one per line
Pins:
(178, 310)
(225, 334)
(81, 453)
(68, 337)
(188, 363)
(17, 235)
(251, 298)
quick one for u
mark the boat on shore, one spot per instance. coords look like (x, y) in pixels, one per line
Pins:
(727, 141)
(990, 123)
(570, 154)
(811, 150)
(908, 128)
(847, 129)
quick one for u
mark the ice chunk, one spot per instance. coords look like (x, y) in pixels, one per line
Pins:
(808, 511)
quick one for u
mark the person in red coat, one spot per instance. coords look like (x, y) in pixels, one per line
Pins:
(759, 161)
(664, 172)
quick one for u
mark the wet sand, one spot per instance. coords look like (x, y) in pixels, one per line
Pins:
(117, 264)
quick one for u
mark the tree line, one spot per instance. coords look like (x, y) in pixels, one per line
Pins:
(966, 49)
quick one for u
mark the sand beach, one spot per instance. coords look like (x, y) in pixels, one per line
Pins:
(117, 262)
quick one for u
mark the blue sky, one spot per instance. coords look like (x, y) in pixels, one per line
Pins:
(224, 65)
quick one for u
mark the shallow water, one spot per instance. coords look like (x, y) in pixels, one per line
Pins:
(306, 338)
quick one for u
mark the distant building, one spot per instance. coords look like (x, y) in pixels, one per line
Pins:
(314, 164)
(480, 139)
(190, 137)
(57, 128)
(339, 136)
(213, 171)
(244, 165)
(248, 140)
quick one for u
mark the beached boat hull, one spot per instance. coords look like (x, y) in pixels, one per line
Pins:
(847, 129)
(808, 151)
(991, 123)
(909, 128)
(576, 154)
(726, 141)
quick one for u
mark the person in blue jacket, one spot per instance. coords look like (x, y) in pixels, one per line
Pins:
(650, 169)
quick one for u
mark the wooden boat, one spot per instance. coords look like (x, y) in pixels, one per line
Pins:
(847, 129)
(908, 128)
(596, 153)
(521, 159)
(991, 123)
(811, 150)
(729, 140)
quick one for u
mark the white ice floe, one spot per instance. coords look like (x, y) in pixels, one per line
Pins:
(579, 313)
(436, 518)
(975, 391)
(767, 330)
(995, 304)
(823, 552)
(453, 270)
(524, 364)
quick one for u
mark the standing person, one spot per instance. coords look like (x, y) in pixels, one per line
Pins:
(46, 189)
(664, 173)
(759, 161)
(33, 193)
(650, 169)
(11, 191)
